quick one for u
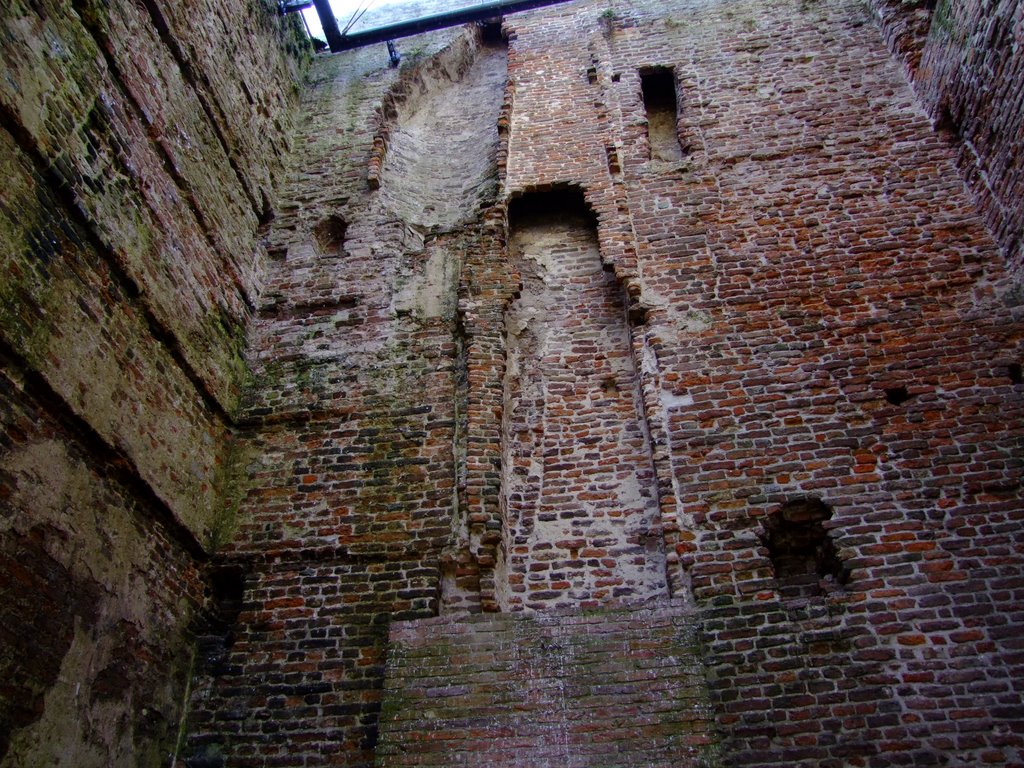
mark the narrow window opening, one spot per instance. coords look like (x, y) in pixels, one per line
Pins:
(266, 214)
(659, 92)
(803, 556)
(946, 125)
(592, 75)
(614, 167)
(1013, 370)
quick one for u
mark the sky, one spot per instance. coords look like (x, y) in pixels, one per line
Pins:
(343, 10)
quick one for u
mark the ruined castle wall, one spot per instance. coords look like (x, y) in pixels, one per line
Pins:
(140, 148)
(791, 337)
(95, 648)
(127, 192)
(814, 255)
(580, 499)
(348, 432)
(828, 353)
(966, 66)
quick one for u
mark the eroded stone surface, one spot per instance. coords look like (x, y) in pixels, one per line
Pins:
(135, 175)
(443, 144)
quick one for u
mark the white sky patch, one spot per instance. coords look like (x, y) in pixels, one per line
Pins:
(343, 12)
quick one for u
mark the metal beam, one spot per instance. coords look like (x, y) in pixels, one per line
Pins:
(329, 23)
(424, 23)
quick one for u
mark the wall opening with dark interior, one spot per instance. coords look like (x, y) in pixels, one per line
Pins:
(578, 487)
(491, 33)
(658, 85)
(803, 556)
(216, 633)
(330, 235)
(897, 395)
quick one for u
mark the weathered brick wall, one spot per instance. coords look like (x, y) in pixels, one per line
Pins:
(814, 318)
(96, 593)
(968, 70)
(559, 689)
(346, 457)
(299, 680)
(127, 191)
(580, 504)
(807, 312)
(140, 149)
(813, 255)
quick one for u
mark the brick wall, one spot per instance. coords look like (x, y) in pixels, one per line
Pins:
(966, 68)
(97, 588)
(580, 504)
(791, 280)
(346, 454)
(809, 326)
(558, 688)
(141, 147)
(130, 205)
(817, 314)
(799, 344)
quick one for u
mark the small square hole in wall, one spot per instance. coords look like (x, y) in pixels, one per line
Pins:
(1013, 370)
(330, 234)
(897, 395)
(491, 33)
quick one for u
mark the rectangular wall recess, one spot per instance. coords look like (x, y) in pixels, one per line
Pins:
(658, 85)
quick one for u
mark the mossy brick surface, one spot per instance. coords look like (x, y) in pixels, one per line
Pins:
(603, 688)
